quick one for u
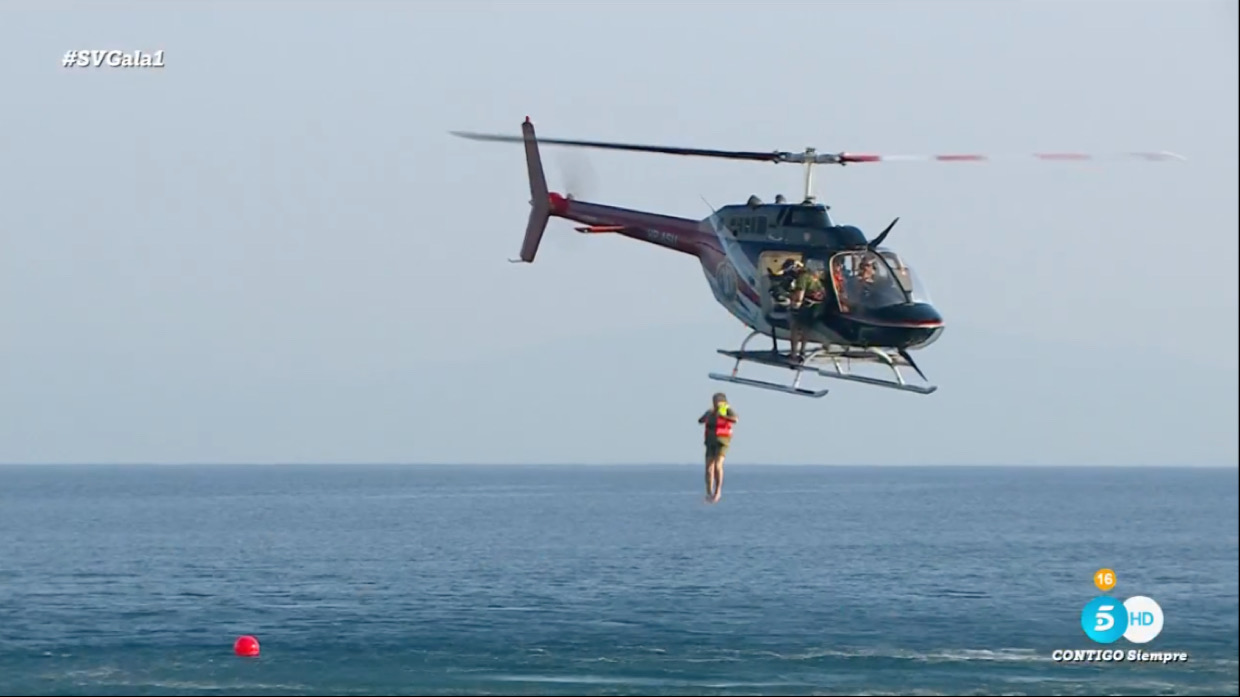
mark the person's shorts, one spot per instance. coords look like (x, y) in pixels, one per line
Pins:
(806, 314)
(717, 447)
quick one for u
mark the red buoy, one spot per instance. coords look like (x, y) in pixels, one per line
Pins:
(246, 646)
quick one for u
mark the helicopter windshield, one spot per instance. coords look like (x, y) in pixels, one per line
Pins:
(868, 280)
(906, 277)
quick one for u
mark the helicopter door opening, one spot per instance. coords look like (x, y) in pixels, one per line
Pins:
(770, 263)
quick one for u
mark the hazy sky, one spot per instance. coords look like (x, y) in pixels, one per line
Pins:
(271, 250)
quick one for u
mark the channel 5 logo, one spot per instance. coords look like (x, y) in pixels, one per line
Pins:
(1105, 619)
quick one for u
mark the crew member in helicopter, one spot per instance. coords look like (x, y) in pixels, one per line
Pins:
(808, 293)
(864, 282)
(780, 284)
(869, 268)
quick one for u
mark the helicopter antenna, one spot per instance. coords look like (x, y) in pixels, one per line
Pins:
(713, 210)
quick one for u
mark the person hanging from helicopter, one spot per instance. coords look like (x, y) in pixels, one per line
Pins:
(808, 293)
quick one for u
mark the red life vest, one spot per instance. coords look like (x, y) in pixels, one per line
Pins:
(723, 427)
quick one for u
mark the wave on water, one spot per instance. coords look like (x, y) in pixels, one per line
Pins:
(635, 681)
(939, 656)
(106, 676)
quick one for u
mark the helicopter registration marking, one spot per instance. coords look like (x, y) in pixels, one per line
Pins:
(662, 237)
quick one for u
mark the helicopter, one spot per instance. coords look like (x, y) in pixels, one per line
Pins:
(876, 311)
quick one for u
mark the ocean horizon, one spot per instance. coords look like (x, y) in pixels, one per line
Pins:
(656, 465)
(411, 578)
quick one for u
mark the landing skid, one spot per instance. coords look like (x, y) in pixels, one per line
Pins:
(828, 362)
(794, 388)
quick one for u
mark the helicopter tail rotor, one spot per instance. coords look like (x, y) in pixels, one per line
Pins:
(577, 175)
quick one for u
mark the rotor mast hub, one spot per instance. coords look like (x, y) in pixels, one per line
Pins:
(810, 155)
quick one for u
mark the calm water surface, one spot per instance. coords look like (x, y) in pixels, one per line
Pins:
(605, 580)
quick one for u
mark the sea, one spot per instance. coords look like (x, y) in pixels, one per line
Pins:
(609, 580)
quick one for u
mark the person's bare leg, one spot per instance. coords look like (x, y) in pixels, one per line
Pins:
(710, 475)
(718, 479)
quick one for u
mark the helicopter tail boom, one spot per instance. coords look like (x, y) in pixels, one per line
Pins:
(540, 198)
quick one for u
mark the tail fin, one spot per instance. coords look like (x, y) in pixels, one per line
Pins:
(540, 202)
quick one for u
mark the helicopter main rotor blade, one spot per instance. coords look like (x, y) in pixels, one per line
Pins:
(1160, 156)
(811, 155)
(775, 156)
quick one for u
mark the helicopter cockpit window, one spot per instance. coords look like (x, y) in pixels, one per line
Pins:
(748, 226)
(864, 280)
(906, 277)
